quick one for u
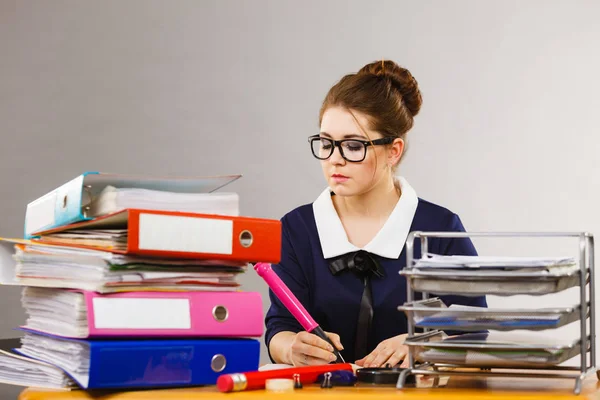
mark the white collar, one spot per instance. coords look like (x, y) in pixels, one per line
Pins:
(388, 242)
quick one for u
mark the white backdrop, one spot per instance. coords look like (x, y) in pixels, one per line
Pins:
(507, 136)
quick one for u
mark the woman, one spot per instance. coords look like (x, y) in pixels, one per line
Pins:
(341, 254)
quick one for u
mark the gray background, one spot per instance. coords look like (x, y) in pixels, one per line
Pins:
(507, 137)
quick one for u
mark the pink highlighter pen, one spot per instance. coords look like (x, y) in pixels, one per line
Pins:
(290, 301)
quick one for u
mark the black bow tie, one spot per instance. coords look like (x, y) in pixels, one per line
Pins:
(365, 265)
(362, 262)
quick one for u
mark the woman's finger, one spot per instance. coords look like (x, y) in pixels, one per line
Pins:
(335, 338)
(373, 355)
(396, 357)
(405, 362)
(317, 352)
(314, 340)
(370, 357)
(382, 358)
(303, 346)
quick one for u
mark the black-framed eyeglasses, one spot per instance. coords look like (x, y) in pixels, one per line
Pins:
(352, 150)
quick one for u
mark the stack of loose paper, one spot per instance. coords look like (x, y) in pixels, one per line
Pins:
(24, 371)
(106, 239)
(71, 356)
(104, 272)
(113, 199)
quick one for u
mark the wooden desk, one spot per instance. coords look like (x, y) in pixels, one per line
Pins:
(457, 388)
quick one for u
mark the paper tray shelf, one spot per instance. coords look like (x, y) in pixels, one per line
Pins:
(478, 283)
(433, 314)
(472, 277)
(435, 347)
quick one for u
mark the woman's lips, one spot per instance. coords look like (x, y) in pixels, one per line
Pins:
(339, 178)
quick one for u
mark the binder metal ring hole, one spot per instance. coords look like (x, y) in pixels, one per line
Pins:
(220, 313)
(65, 201)
(246, 238)
(218, 363)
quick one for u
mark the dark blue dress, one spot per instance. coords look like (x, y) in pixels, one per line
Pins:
(334, 301)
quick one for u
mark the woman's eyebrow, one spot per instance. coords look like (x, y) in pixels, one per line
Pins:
(347, 136)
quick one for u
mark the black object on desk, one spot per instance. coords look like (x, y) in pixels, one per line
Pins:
(382, 376)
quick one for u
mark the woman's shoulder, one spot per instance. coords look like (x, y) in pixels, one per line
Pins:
(433, 208)
(433, 216)
(300, 217)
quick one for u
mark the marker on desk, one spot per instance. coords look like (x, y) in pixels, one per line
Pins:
(290, 301)
(257, 379)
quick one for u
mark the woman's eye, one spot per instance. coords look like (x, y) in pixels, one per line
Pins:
(354, 146)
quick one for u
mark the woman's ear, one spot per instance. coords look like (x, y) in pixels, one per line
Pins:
(395, 152)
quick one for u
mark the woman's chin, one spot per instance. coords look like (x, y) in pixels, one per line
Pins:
(343, 189)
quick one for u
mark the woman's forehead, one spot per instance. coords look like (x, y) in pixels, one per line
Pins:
(339, 123)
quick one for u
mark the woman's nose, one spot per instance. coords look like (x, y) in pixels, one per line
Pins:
(336, 157)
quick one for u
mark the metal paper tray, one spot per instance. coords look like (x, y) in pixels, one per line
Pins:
(427, 348)
(433, 314)
(477, 283)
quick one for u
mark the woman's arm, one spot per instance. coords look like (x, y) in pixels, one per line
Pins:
(286, 340)
(278, 319)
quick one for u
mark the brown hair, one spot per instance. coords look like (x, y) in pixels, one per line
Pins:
(385, 92)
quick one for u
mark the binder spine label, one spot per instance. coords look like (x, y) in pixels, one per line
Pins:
(185, 234)
(136, 313)
(40, 213)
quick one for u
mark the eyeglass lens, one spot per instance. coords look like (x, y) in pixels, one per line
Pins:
(352, 150)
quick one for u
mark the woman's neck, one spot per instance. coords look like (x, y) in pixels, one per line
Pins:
(377, 203)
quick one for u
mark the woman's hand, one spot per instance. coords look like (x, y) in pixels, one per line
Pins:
(390, 351)
(309, 349)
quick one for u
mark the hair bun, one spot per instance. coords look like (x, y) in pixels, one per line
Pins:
(400, 79)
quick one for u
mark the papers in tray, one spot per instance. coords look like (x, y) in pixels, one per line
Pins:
(437, 315)
(478, 358)
(456, 318)
(476, 275)
(530, 264)
(24, 371)
(497, 349)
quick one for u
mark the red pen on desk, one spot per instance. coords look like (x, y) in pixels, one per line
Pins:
(257, 379)
(290, 301)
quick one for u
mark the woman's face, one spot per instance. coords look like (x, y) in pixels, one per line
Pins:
(347, 178)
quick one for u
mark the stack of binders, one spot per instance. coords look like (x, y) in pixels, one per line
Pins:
(131, 282)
